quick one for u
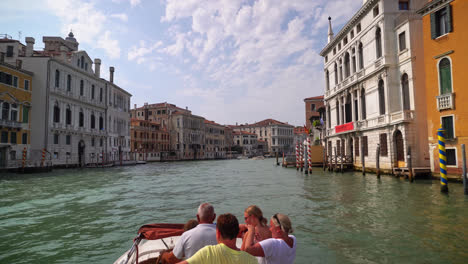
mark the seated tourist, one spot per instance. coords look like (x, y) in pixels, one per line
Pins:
(202, 235)
(226, 251)
(281, 248)
(167, 256)
(253, 216)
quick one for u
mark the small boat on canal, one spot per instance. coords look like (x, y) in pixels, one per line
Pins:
(151, 241)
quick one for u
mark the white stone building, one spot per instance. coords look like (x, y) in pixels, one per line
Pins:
(187, 135)
(70, 103)
(248, 141)
(215, 141)
(373, 71)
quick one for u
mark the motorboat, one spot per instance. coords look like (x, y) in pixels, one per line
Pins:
(151, 241)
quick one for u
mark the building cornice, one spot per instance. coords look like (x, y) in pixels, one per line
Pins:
(359, 14)
(432, 6)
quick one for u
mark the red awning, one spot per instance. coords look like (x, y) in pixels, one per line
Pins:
(157, 231)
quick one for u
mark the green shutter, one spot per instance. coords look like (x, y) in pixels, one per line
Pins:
(449, 18)
(447, 124)
(25, 114)
(433, 26)
(445, 80)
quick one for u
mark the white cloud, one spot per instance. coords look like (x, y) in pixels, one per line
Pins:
(88, 24)
(121, 16)
(142, 53)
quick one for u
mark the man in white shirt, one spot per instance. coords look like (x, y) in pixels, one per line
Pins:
(203, 234)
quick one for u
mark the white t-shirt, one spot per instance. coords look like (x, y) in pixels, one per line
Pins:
(195, 239)
(277, 251)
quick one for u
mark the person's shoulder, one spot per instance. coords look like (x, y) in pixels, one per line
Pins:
(249, 259)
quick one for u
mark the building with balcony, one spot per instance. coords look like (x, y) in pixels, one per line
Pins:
(187, 134)
(370, 71)
(215, 140)
(15, 103)
(149, 142)
(247, 141)
(444, 41)
(278, 135)
(70, 118)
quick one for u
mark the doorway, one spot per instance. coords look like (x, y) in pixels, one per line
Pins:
(399, 149)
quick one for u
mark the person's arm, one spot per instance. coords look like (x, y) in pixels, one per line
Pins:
(255, 250)
(248, 238)
(169, 258)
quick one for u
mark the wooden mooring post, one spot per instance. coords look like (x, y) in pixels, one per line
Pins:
(410, 165)
(377, 161)
(465, 180)
(342, 157)
(363, 160)
(324, 158)
(336, 161)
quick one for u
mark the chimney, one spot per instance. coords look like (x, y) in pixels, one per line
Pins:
(111, 75)
(2, 57)
(29, 46)
(330, 30)
(19, 64)
(135, 106)
(63, 53)
(186, 108)
(97, 67)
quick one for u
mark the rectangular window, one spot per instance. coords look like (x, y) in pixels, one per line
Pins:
(9, 51)
(56, 156)
(402, 41)
(15, 81)
(312, 107)
(364, 146)
(56, 139)
(383, 145)
(376, 11)
(334, 51)
(451, 157)
(68, 139)
(441, 22)
(24, 139)
(358, 28)
(13, 137)
(13, 155)
(92, 142)
(345, 41)
(4, 137)
(352, 34)
(403, 4)
(26, 85)
(338, 147)
(25, 114)
(447, 125)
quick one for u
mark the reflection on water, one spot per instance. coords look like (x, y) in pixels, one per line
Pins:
(91, 215)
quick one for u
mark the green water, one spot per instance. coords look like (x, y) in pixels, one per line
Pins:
(92, 215)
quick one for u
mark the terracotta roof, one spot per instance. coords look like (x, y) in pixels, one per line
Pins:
(314, 98)
(211, 122)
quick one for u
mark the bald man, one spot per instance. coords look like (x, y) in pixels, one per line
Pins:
(203, 234)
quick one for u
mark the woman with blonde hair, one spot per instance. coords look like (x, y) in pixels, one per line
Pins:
(256, 224)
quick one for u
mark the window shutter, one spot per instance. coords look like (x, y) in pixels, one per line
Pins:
(449, 18)
(433, 26)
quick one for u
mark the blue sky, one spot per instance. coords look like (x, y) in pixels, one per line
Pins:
(229, 60)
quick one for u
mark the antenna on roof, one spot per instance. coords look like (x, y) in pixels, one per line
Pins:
(19, 35)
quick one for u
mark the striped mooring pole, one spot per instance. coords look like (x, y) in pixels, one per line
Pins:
(297, 156)
(442, 160)
(309, 155)
(24, 157)
(301, 155)
(43, 157)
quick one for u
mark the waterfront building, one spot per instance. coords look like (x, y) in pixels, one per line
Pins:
(70, 114)
(15, 104)
(159, 112)
(229, 140)
(215, 141)
(149, 141)
(445, 53)
(371, 86)
(315, 116)
(118, 117)
(187, 134)
(300, 135)
(278, 135)
(247, 141)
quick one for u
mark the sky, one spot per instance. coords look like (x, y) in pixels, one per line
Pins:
(230, 61)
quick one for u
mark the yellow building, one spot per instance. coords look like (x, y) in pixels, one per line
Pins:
(15, 105)
(445, 53)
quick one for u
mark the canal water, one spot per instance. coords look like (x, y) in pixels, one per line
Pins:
(92, 215)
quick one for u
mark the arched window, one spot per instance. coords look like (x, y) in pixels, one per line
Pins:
(381, 97)
(57, 78)
(329, 116)
(336, 73)
(81, 118)
(82, 62)
(81, 87)
(341, 70)
(378, 42)
(100, 95)
(353, 61)
(93, 121)
(337, 112)
(101, 123)
(69, 80)
(445, 76)
(347, 68)
(68, 115)
(363, 104)
(92, 91)
(56, 113)
(361, 56)
(327, 80)
(405, 92)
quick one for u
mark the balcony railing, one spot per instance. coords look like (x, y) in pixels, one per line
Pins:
(445, 101)
(10, 123)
